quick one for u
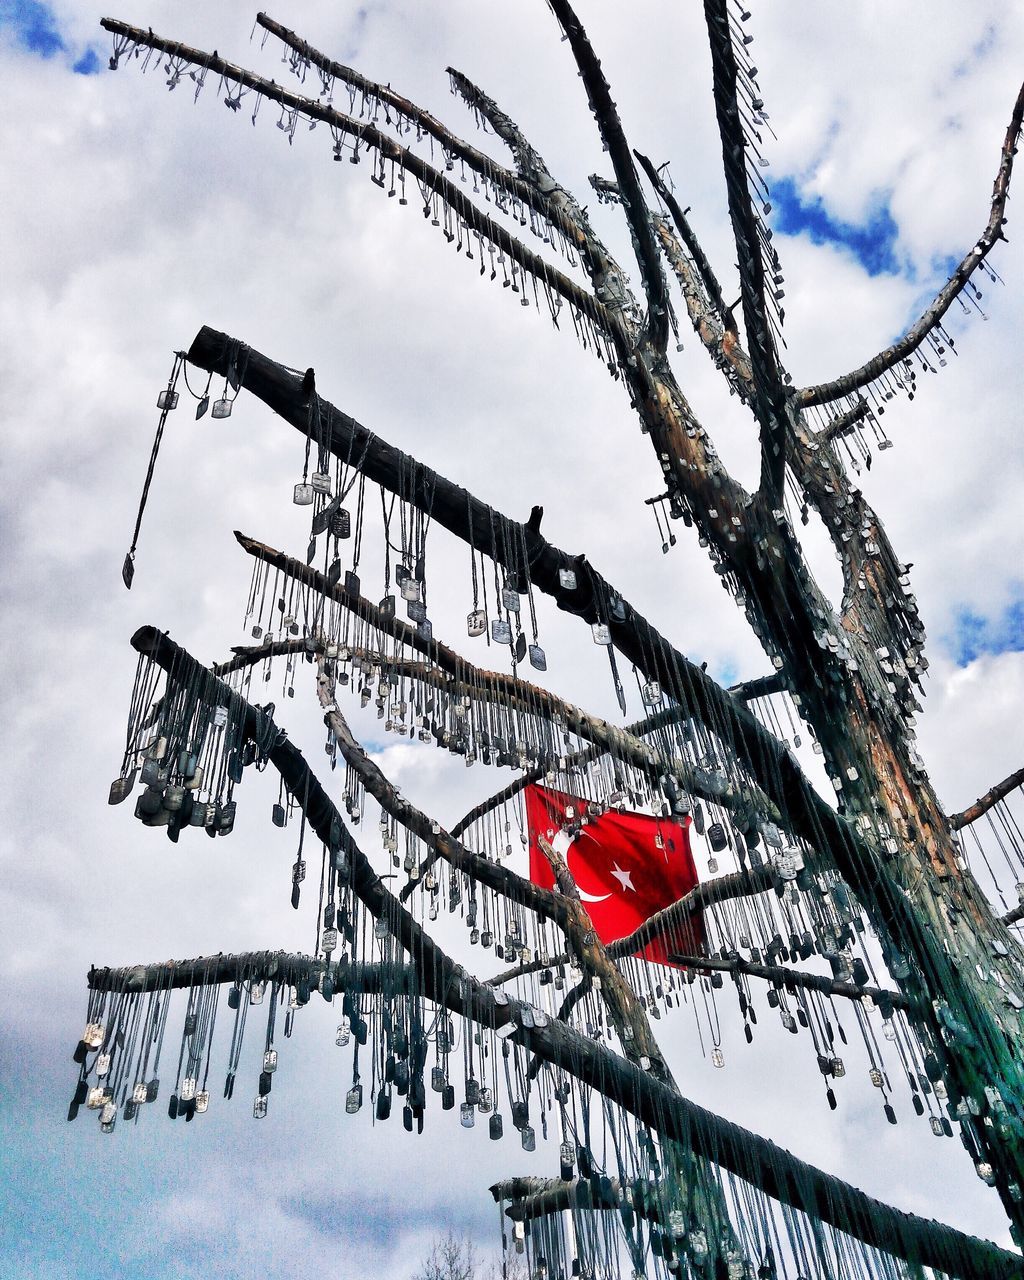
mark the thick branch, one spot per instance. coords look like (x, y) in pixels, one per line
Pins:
(769, 395)
(367, 134)
(503, 880)
(992, 797)
(747, 1155)
(949, 292)
(628, 1016)
(614, 138)
(257, 966)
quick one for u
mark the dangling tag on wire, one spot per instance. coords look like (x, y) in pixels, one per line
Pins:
(166, 401)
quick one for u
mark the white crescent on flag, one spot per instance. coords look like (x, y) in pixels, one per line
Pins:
(562, 842)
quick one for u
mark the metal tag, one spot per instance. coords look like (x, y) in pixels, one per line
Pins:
(538, 658)
(121, 788)
(501, 632)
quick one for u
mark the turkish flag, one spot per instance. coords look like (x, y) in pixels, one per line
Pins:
(627, 866)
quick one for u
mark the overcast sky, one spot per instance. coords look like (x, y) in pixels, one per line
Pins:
(129, 217)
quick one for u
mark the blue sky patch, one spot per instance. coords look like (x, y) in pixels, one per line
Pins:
(974, 634)
(35, 29)
(34, 26)
(88, 64)
(872, 243)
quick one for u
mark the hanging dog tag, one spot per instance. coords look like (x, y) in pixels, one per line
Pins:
(128, 570)
(601, 633)
(121, 789)
(202, 407)
(538, 658)
(567, 579)
(510, 599)
(476, 622)
(303, 494)
(167, 399)
(352, 583)
(221, 408)
(501, 632)
(341, 524)
(520, 647)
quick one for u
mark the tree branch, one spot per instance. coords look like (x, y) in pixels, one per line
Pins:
(769, 401)
(693, 246)
(947, 295)
(621, 743)
(780, 975)
(843, 423)
(367, 134)
(503, 880)
(261, 966)
(671, 919)
(611, 285)
(991, 797)
(614, 138)
(501, 177)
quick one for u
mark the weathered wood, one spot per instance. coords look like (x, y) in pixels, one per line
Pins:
(991, 797)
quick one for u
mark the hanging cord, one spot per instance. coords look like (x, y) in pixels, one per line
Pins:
(168, 399)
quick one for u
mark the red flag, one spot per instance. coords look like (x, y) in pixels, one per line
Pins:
(626, 866)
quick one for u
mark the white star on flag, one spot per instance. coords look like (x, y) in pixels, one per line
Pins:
(624, 877)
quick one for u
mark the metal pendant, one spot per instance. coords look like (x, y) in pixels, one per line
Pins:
(221, 408)
(167, 399)
(510, 599)
(501, 632)
(538, 658)
(121, 788)
(352, 583)
(321, 482)
(567, 579)
(601, 633)
(476, 622)
(303, 494)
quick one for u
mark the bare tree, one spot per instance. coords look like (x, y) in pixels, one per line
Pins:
(807, 869)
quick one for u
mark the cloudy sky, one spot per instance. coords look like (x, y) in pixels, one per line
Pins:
(128, 218)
